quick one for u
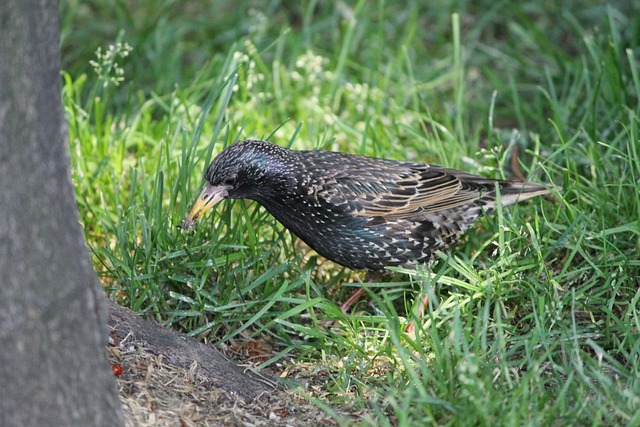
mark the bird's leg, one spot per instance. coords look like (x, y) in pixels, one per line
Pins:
(372, 276)
(354, 298)
(345, 306)
(411, 327)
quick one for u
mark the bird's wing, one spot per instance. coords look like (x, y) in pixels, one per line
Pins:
(403, 192)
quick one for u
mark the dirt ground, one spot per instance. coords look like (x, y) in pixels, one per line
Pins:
(166, 379)
(154, 393)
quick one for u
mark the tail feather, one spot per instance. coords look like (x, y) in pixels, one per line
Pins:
(513, 192)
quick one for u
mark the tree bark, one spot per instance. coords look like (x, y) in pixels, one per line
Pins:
(53, 368)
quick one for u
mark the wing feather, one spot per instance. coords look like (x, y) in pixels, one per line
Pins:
(389, 189)
(401, 192)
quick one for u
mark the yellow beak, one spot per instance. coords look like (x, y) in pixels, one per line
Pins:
(208, 198)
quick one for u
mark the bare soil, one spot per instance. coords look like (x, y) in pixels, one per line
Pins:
(168, 379)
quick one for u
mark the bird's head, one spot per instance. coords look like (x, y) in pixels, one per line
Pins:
(243, 170)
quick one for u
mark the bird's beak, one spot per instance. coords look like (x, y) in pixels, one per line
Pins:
(208, 198)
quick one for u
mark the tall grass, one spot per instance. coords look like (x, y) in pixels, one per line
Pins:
(533, 318)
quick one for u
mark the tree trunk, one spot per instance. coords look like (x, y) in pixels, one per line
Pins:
(53, 368)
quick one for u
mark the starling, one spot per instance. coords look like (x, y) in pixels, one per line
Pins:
(360, 212)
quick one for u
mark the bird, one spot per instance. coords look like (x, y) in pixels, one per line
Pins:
(360, 212)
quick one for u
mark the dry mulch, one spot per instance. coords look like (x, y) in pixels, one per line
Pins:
(159, 388)
(154, 393)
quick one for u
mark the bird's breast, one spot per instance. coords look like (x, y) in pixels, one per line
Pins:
(351, 240)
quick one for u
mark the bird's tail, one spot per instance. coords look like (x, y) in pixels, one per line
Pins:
(512, 192)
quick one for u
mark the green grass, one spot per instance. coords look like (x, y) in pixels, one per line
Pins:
(534, 317)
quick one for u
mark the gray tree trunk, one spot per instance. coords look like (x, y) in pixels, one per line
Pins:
(53, 368)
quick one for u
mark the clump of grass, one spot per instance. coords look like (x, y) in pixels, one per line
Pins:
(533, 317)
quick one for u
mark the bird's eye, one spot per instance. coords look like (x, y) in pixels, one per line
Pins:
(229, 181)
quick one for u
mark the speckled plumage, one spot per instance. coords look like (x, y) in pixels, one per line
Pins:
(361, 212)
